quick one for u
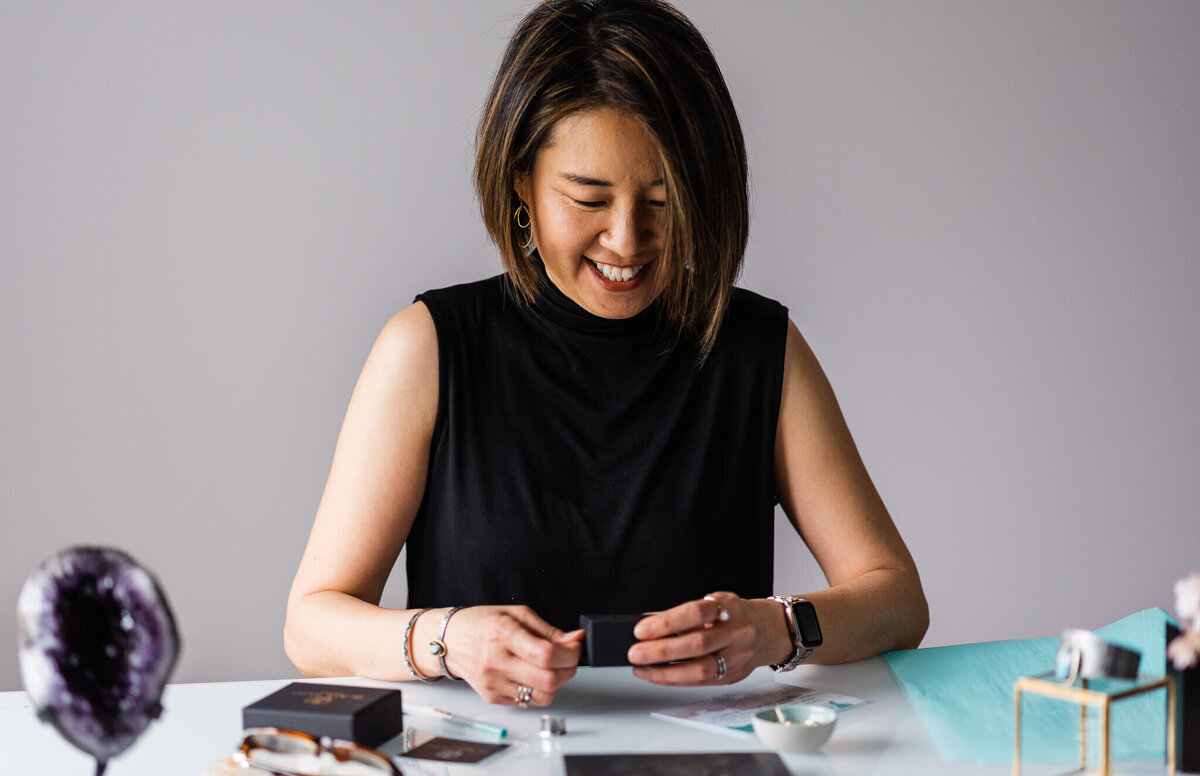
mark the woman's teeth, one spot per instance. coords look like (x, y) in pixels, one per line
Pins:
(618, 274)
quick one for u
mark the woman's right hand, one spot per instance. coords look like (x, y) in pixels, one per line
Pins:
(498, 648)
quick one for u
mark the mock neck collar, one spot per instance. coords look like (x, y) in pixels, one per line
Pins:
(566, 311)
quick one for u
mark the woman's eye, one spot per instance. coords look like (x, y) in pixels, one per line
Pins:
(657, 203)
(583, 203)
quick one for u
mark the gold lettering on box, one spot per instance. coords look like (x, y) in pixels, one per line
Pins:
(323, 697)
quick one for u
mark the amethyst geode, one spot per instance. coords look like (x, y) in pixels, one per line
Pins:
(97, 643)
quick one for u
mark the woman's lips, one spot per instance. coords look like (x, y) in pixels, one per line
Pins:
(615, 278)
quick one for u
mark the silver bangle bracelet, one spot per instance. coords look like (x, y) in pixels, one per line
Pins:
(407, 642)
(437, 647)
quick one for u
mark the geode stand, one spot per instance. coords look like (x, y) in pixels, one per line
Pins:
(1188, 684)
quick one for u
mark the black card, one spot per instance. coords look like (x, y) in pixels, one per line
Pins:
(706, 764)
(451, 750)
(607, 638)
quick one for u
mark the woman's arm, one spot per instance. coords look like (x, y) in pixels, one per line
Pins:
(874, 602)
(335, 626)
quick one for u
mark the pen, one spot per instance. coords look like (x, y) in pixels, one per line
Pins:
(474, 724)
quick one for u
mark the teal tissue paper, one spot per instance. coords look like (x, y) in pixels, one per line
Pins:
(963, 695)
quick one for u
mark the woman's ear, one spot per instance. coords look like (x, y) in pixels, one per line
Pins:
(521, 186)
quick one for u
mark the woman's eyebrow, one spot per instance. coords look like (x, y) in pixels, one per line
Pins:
(584, 180)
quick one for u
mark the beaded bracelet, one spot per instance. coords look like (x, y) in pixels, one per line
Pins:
(404, 646)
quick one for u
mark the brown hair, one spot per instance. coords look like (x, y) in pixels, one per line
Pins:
(645, 58)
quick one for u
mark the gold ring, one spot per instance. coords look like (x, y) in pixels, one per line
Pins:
(524, 695)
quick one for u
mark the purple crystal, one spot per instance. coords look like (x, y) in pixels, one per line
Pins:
(97, 643)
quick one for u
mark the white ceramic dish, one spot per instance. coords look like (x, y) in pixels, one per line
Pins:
(796, 728)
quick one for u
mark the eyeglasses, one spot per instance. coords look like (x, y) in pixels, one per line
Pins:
(292, 753)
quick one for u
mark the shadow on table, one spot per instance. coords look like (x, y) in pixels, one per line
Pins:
(623, 697)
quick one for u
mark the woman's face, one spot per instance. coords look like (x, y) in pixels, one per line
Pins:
(595, 199)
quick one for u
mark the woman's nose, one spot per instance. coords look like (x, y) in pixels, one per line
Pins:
(628, 232)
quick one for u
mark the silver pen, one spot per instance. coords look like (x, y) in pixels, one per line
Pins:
(474, 724)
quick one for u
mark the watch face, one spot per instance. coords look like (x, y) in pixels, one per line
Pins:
(806, 622)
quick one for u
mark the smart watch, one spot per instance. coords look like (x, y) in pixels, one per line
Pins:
(803, 627)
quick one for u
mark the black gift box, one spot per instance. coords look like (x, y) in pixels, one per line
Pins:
(608, 638)
(365, 715)
(1187, 688)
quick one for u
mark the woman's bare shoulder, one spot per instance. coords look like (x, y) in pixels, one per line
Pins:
(400, 377)
(409, 334)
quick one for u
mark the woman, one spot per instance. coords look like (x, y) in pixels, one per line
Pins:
(607, 427)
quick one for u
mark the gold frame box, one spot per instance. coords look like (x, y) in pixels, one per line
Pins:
(1085, 694)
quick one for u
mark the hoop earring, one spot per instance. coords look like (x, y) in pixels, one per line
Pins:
(517, 216)
(528, 223)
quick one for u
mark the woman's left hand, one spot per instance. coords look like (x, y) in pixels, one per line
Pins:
(718, 639)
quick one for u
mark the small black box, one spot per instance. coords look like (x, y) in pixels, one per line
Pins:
(364, 715)
(608, 638)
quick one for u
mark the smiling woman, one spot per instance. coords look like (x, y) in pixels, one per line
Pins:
(599, 233)
(608, 426)
(647, 63)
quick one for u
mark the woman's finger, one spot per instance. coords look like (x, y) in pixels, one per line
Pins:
(537, 642)
(570, 637)
(685, 646)
(498, 680)
(530, 695)
(531, 621)
(704, 670)
(546, 681)
(685, 617)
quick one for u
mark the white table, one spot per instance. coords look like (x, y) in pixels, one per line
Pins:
(606, 709)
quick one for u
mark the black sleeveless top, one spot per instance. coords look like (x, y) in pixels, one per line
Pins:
(582, 465)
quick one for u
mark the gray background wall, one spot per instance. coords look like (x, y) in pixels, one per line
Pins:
(984, 216)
